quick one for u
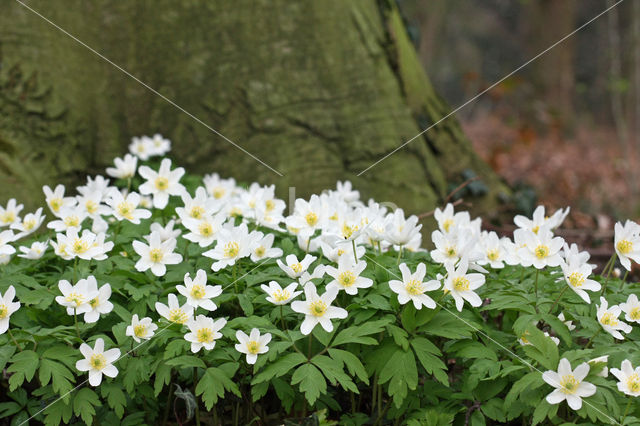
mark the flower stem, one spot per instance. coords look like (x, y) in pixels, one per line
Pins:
(355, 256)
(195, 379)
(309, 349)
(606, 281)
(592, 337)
(14, 340)
(626, 410)
(558, 299)
(536, 284)
(284, 326)
(399, 254)
(75, 270)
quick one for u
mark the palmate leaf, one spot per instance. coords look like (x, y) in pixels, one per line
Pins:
(279, 367)
(213, 384)
(24, 365)
(360, 333)
(311, 380)
(353, 364)
(427, 353)
(84, 403)
(61, 378)
(334, 372)
(402, 374)
(115, 397)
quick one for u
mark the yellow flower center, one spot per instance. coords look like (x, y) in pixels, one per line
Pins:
(347, 231)
(178, 316)
(296, 267)
(260, 251)
(446, 225)
(569, 384)
(541, 251)
(609, 319)
(461, 284)
(535, 229)
(633, 383)
(196, 212)
(125, 210)
(281, 295)
(8, 217)
(79, 246)
(72, 221)
(162, 183)
(269, 205)
(94, 302)
(311, 219)
(414, 287)
(197, 291)
(624, 246)
(347, 278)
(451, 251)
(206, 229)
(340, 252)
(524, 338)
(318, 308)
(156, 255)
(91, 206)
(55, 204)
(97, 361)
(493, 254)
(75, 298)
(29, 224)
(218, 192)
(576, 279)
(634, 314)
(204, 335)
(140, 330)
(4, 311)
(236, 212)
(253, 347)
(231, 249)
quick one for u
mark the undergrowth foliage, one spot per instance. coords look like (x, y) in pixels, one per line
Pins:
(166, 297)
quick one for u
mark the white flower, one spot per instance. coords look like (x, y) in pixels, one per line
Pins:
(346, 193)
(264, 248)
(203, 332)
(9, 214)
(88, 246)
(573, 256)
(253, 345)
(99, 304)
(204, 230)
(159, 145)
(577, 277)
(99, 184)
(608, 319)
(452, 246)
(76, 298)
(569, 384)
(347, 276)
(233, 244)
(174, 312)
(165, 232)
(318, 309)
(627, 243)
(141, 329)
(412, 288)
(127, 207)
(448, 221)
(308, 216)
(220, 189)
(97, 361)
(294, 268)
(91, 204)
(198, 293)
(540, 220)
(279, 296)
(629, 378)
(462, 285)
(197, 207)
(494, 251)
(68, 218)
(568, 323)
(156, 255)
(7, 307)
(541, 249)
(631, 308)
(36, 251)
(6, 237)
(29, 224)
(400, 231)
(125, 168)
(161, 184)
(56, 200)
(141, 147)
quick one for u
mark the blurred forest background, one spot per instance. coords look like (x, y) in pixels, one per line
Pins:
(566, 126)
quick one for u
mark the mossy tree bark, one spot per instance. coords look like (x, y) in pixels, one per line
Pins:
(317, 90)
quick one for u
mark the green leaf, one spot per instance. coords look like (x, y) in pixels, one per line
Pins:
(59, 375)
(213, 384)
(353, 364)
(542, 411)
(115, 397)
(358, 333)
(334, 372)
(24, 365)
(245, 304)
(280, 367)
(471, 349)
(408, 318)
(58, 413)
(186, 361)
(163, 377)
(6, 352)
(84, 404)
(542, 348)
(311, 381)
(402, 374)
(447, 325)
(427, 353)
(399, 336)
(531, 381)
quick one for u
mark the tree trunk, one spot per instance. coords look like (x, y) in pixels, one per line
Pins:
(317, 90)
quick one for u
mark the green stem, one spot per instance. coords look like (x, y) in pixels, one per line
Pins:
(624, 278)
(626, 410)
(399, 254)
(592, 337)
(195, 380)
(284, 326)
(558, 299)
(235, 283)
(536, 284)
(606, 281)
(355, 256)
(14, 340)
(75, 320)
(75, 270)
(165, 416)
(309, 349)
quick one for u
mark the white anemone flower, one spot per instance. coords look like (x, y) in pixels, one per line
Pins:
(161, 184)
(541, 249)
(540, 220)
(264, 248)
(7, 307)
(10, 214)
(86, 246)
(400, 231)
(252, 345)
(347, 276)
(165, 232)
(627, 243)
(494, 251)
(448, 220)
(156, 255)
(629, 378)
(577, 278)
(413, 287)
(141, 329)
(566, 322)
(278, 295)
(608, 319)
(100, 304)
(203, 332)
(199, 206)
(35, 251)
(452, 246)
(294, 268)
(6, 237)
(631, 308)
(126, 208)
(233, 244)
(198, 293)
(141, 147)
(317, 309)
(203, 231)
(158, 144)
(220, 189)
(68, 218)
(56, 200)
(173, 312)
(569, 384)
(125, 168)
(76, 297)
(308, 216)
(29, 223)
(97, 361)
(462, 285)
